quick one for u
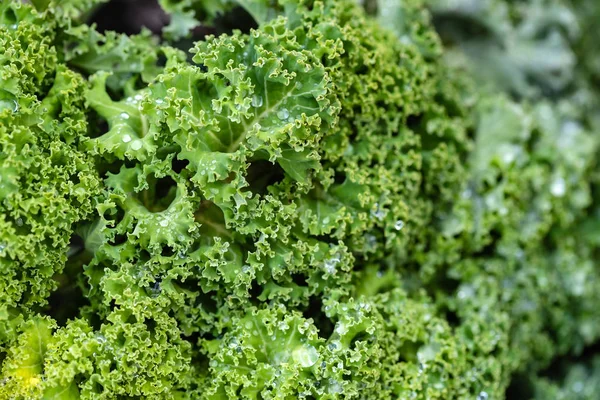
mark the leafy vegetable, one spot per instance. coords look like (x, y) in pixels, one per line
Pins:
(391, 201)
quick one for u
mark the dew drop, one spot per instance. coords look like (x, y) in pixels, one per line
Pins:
(19, 221)
(371, 241)
(482, 396)
(126, 139)
(283, 326)
(399, 225)
(124, 115)
(378, 212)
(558, 187)
(283, 114)
(465, 292)
(9, 104)
(136, 145)
(330, 264)
(164, 223)
(257, 101)
(155, 290)
(334, 386)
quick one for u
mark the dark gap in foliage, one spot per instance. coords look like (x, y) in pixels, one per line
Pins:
(150, 324)
(237, 18)
(194, 338)
(261, 174)
(179, 165)
(118, 239)
(112, 366)
(115, 95)
(223, 24)
(159, 195)
(255, 291)
(415, 122)
(121, 339)
(130, 16)
(490, 247)
(139, 83)
(198, 359)
(440, 282)
(408, 351)
(371, 7)
(144, 256)
(19, 224)
(212, 220)
(155, 289)
(189, 284)
(207, 301)
(325, 239)
(339, 177)
(315, 311)
(360, 337)
(97, 387)
(64, 304)
(451, 317)
(67, 300)
(10, 18)
(300, 279)
(115, 214)
(520, 388)
(76, 246)
(363, 69)
(94, 320)
(131, 319)
(104, 168)
(453, 109)
(97, 126)
(161, 61)
(455, 27)
(559, 366)
(167, 251)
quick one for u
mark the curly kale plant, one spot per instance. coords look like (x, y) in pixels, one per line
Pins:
(391, 200)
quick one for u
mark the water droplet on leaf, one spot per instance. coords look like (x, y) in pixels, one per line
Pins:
(8, 101)
(558, 187)
(399, 225)
(136, 145)
(257, 101)
(283, 114)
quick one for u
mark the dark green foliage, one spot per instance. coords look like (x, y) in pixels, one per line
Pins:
(336, 204)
